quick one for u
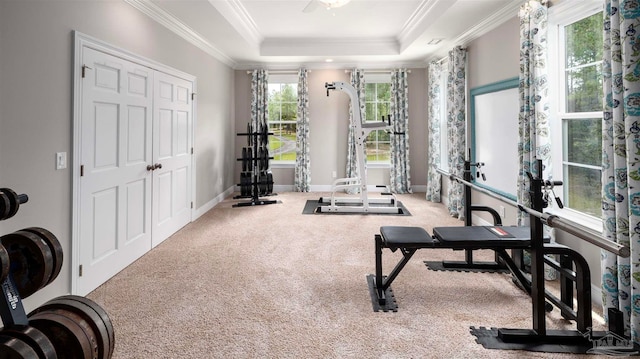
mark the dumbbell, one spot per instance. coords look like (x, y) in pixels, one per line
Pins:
(10, 202)
(76, 324)
(35, 258)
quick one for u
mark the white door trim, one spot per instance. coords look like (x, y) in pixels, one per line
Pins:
(81, 41)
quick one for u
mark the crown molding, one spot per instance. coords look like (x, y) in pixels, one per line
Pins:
(498, 18)
(329, 47)
(426, 13)
(239, 18)
(179, 28)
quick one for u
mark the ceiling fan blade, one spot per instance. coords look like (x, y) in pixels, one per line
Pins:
(311, 6)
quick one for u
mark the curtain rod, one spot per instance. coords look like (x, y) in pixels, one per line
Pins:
(374, 71)
(293, 72)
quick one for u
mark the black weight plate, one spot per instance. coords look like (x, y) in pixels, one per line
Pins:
(67, 336)
(55, 246)
(250, 159)
(14, 348)
(31, 261)
(14, 203)
(244, 158)
(99, 310)
(103, 337)
(269, 182)
(5, 263)
(5, 206)
(34, 338)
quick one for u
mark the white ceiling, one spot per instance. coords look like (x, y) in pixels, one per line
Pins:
(364, 33)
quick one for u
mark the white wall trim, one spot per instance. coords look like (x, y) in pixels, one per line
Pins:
(179, 28)
(212, 203)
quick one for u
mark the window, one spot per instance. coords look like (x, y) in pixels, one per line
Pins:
(576, 104)
(377, 108)
(283, 115)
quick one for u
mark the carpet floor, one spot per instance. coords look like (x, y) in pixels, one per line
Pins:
(270, 282)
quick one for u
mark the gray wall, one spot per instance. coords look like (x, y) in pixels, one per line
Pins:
(36, 118)
(329, 118)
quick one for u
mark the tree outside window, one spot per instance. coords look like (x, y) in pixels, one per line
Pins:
(283, 115)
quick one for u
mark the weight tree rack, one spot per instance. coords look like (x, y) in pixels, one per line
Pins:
(256, 179)
(69, 326)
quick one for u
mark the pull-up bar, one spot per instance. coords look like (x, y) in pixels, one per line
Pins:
(552, 220)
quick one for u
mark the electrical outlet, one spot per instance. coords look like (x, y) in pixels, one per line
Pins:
(61, 160)
(502, 213)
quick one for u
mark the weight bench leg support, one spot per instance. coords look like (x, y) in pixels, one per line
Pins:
(382, 283)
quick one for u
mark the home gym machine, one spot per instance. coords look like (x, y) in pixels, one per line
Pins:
(572, 268)
(68, 326)
(363, 203)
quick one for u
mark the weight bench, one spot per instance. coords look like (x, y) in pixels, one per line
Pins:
(409, 239)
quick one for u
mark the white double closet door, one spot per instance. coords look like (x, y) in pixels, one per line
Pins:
(136, 161)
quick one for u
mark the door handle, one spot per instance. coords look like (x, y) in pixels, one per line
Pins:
(154, 167)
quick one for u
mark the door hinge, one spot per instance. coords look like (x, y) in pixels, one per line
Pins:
(84, 69)
(80, 271)
(192, 205)
(81, 170)
(193, 96)
(191, 150)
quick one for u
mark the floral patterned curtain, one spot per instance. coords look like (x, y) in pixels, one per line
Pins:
(259, 99)
(533, 119)
(302, 170)
(400, 168)
(434, 185)
(357, 81)
(620, 165)
(456, 127)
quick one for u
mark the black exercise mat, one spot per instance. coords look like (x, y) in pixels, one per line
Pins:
(489, 339)
(312, 204)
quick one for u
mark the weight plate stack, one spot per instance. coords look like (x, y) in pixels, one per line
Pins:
(70, 338)
(94, 314)
(14, 348)
(31, 261)
(34, 338)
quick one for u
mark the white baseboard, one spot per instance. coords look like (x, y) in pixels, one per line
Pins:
(209, 205)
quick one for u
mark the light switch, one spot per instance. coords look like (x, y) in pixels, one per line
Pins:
(61, 160)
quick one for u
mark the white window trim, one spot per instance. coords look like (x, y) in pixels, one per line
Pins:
(566, 12)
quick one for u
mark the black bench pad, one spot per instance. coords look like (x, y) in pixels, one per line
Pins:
(406, 237)
(488, 237)
(467, 237)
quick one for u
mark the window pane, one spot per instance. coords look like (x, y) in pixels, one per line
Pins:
(384, 92)
(583, 141)
(584, 41)
(383, 111)
(583, 188)
(282, 144)
(584, 89)
(370, 111)
(370, 92)
(283, 113)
